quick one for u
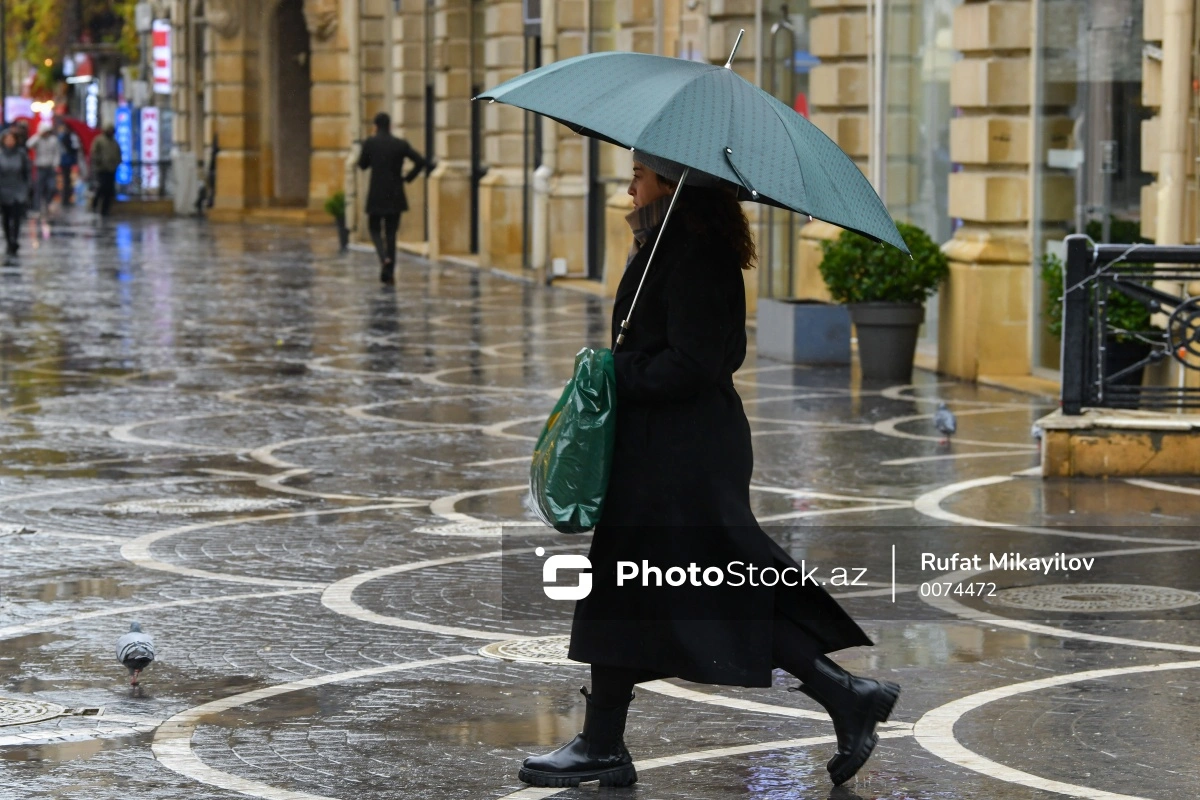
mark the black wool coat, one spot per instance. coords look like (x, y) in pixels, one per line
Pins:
(384, 155)
(679, 491)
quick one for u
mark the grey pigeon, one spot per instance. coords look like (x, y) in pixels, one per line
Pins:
(945, 421)
(135, 650)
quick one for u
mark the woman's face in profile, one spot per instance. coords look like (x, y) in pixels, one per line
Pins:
(645, 187)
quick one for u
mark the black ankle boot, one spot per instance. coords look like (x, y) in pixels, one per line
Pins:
(596, 754)
(856, 706)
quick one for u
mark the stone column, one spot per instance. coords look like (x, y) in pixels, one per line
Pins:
(333, 73)
(450, 183)
(838, 95)
(567, 204)
(409, 48)
(501, 192)
(985, 306)
(234, 93)
(1152, 22)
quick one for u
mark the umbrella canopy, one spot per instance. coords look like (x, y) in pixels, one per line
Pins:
(708, 119)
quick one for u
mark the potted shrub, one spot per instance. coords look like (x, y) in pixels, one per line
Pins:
(335, 206)
(1121, 350)
(885, 291)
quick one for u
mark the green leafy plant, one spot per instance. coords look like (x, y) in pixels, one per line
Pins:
(335, 206)
(1122, 310)
(858, 270)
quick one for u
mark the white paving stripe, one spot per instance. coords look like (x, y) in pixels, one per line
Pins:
(125, 433)
(534, 793)
(888, 427)
(266, 453)
(173, 740)
(900, 462)
(51, 622)
(339, 596)
(724, 701)
(930, 504)
(935, 730)
(137, 551)
(1163, 487)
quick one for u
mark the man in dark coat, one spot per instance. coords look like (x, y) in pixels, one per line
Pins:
(384, 155)
(679, 494)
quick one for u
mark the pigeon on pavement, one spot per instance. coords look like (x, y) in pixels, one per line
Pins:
(135, 650)
(945, 421)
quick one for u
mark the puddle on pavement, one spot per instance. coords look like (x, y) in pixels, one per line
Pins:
(71, 751)
(932, 644)
(108, 588)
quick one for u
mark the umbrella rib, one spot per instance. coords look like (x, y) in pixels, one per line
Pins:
(795, 152)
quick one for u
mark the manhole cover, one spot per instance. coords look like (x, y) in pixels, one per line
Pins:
(194, 506)
(539, 650)
(1095, 597)
(22, 712)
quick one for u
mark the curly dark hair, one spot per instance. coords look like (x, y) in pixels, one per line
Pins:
(716, 219)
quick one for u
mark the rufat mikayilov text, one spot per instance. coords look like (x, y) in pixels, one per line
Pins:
(1013, 562)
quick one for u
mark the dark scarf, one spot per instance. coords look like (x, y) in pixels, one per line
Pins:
(644, 221)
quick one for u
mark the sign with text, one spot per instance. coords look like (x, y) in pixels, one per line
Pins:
(124, 125)
(150, 137)
(161, 53)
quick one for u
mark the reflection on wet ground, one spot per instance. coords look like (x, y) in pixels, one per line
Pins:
(299, 483)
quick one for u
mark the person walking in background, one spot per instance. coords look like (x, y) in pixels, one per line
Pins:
(69, 146)
(47, 155)
(106, 157)
(384, 155)
(15, 172)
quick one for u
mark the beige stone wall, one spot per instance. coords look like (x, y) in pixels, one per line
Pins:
(501, 193)
(838, 97)
(449, 185)
(233, 106)
(408, 54)
(985, 306)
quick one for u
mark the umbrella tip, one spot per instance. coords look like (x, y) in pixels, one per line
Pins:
(732, 53)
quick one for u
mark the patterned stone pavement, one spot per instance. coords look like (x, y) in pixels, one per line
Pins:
(301, 483)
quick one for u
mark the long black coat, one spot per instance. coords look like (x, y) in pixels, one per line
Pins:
(679, 491)
(384, 155)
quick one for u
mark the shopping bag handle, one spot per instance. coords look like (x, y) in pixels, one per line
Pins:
(646, 271)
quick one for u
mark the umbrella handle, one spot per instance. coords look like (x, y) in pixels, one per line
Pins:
(653, 250)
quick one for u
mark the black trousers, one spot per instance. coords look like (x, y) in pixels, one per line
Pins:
(792, 649)
(68, 190)
(12, 215)
(383, 228)
(106, 192)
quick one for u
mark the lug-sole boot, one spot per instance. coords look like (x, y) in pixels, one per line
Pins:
(856, 705)
(596, 754)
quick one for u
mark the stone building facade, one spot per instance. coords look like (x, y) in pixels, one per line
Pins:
(966, 114)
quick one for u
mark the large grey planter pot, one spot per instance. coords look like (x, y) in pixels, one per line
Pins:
(887, 338)
(803, 331)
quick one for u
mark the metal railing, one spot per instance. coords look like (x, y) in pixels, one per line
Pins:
(1091, 374)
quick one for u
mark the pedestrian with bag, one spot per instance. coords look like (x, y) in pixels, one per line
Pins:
(384, 154)
(47, 155)
(679, 494)
(15, 171)
(106, 158)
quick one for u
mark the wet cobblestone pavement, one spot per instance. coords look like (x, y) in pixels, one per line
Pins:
(296, 481)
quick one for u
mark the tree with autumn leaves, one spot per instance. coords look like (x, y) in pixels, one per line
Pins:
(41, 30)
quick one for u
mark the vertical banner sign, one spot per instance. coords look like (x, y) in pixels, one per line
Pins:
(161, 53)
(124, 126)
(150, 147)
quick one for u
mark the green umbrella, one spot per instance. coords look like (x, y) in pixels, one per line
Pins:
(711, 123)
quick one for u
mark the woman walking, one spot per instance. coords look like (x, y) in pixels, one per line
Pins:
(679, 494)
(14, 188)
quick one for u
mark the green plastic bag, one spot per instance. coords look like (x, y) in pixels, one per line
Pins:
(573, 456)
